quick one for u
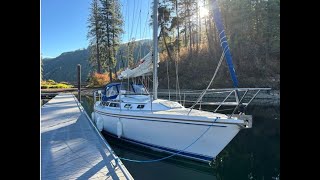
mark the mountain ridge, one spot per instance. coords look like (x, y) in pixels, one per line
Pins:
(64, 66)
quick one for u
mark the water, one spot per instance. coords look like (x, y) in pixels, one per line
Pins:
(44, 101)
(253, 154)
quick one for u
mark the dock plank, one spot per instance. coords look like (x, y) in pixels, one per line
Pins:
(70, 146)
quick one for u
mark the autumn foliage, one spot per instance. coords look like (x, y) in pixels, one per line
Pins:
(98, 80)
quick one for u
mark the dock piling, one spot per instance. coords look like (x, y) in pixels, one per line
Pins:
(79, 82)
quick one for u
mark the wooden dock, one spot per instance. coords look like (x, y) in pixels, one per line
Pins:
(71, 146)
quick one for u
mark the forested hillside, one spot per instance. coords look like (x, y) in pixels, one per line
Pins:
(64, 67)
(189, 46)
(253, 32)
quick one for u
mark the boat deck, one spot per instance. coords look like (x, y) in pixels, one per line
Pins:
(194, 113)
(71, 148)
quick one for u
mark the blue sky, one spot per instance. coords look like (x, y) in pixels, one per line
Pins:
(64, 24)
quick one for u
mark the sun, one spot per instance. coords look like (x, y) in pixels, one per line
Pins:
(204, 12)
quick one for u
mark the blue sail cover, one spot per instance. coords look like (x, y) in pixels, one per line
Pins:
(223, 41)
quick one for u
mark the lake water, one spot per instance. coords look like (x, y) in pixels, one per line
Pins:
(253, 154)
(44, 101)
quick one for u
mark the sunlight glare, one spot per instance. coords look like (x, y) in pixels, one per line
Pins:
(203, 12)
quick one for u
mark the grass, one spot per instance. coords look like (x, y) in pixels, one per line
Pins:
(50, 84)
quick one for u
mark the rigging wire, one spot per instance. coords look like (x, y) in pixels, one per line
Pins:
(140, 34)
(178, 54)
(133, 19)
(177, 79)
(146, 22)
(214, 75)
(128, 18)
(168, 79)
(139, 21)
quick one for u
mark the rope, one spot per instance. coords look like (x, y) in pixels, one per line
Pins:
(214, 75)
(167, 157)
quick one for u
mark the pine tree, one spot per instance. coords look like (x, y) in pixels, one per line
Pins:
(117, 30)
(186, 12)
(112, 30)
(130, 51)
(95, 34)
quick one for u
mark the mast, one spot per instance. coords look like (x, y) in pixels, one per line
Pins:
(223, 41)
(155, 49)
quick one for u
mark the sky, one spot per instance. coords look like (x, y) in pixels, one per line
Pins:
(64, 24)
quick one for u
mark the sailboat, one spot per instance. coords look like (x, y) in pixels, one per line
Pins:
(128, 111)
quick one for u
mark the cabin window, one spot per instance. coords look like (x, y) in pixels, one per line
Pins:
(114, 105)
(104, 103)
(112, 91)
(128, 106)
(140, 106)
(139, 89)
(127, 88)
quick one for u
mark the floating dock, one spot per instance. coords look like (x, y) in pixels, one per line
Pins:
(72, 147)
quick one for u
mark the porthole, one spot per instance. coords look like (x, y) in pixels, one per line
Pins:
(114, 105)
(128, 106)
(140, 106)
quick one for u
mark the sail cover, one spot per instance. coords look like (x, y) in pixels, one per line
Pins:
(223, 41)
(144, 68)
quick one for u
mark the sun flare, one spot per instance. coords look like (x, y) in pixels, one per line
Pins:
(204, 12)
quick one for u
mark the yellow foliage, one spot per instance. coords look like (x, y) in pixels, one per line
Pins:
(100, 79)
(52, 84)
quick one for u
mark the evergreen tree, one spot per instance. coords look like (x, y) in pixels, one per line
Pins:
(130, 51)
(117, 30)
(112, 30)
(95, 34)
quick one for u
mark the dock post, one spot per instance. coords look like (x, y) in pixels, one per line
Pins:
(79, 82)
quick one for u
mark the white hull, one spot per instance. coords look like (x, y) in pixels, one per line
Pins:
(166, 132)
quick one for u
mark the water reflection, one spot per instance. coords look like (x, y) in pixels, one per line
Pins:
(253, 154)
(44, 101)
